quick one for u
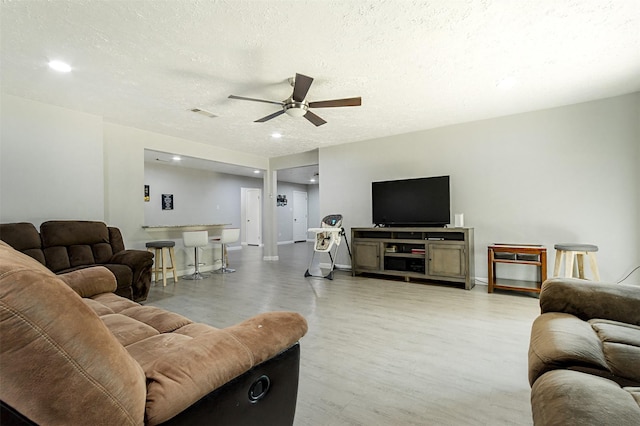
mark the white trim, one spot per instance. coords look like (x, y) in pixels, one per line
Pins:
(285, 242)
(271, 258)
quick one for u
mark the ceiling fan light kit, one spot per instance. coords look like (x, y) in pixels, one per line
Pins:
(297, 106)
(295, 109)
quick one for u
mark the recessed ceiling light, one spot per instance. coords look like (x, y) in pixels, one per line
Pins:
(276, 135)
(312, 180)
(60, 66)
(256, 171)
(176, 158)
(506, 83)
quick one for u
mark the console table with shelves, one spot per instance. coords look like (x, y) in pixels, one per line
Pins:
(437, 254)
(523, 254)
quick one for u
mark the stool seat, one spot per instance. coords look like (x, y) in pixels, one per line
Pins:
(229, 235)
(575, 247)
(571, 251)
(196, 239)
(158, 248)
(160, 244)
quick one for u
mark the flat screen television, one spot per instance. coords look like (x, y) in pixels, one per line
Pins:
(411, 202)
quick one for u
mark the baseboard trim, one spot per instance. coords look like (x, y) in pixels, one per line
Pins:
(271, 258)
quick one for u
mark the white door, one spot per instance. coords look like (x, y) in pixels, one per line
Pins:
(253, 216)
(300, 225)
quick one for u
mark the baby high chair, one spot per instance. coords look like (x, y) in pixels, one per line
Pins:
(328, 236)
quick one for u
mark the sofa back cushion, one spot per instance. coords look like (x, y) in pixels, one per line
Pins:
(60, 363)
(23, 237)
(69, 244)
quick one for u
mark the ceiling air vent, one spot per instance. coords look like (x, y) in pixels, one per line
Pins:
(204, 112)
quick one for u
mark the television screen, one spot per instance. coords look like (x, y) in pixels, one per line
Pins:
(411, 202)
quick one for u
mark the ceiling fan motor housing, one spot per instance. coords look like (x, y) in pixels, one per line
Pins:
(295, 109)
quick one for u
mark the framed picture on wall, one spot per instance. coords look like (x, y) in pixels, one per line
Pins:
(167, 201)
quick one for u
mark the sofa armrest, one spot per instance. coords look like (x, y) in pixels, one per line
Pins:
(140, 262)
(88, 282)
(133, 258)
(208, 358)
(588, 299)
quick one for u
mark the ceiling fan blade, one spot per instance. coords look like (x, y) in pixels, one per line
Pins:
(314, 118)
(301, 87)
(255, 100)
(270, 116)
(337, 103)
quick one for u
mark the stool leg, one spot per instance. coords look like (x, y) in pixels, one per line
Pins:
(580, 258)
(164, 269)
(594, 266)
(556, 268)
(155, 265)
(173, 264)
(568, 264)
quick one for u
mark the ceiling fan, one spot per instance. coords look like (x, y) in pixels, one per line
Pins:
(296, 105)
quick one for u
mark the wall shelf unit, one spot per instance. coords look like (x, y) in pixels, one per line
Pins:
(437, 254)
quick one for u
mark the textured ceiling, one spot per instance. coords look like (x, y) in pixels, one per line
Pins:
(416, 64)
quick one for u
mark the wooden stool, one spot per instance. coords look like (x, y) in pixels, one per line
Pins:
(579, 251)
(158, 248)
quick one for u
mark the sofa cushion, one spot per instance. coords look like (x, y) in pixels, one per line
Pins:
(73, 232)
(560, 340)
(591, 299)
(621, 347)
(55, 348)
(88, 282)
(572, 398)
(57, 258)
(23, 237)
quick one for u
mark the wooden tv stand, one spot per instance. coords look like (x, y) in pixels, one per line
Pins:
(437, 254)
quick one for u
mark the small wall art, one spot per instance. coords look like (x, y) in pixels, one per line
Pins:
(167, 201)
(146, 193)
(281, 200)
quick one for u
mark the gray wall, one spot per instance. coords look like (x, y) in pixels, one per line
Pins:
(564, 174)
(199, 196)
(313, 191)
(51, 163)
(285, 213)
(567, 174)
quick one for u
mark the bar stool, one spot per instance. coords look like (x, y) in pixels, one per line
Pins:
(578, 251)
(158, 249)
(229, 235)
(196, 239)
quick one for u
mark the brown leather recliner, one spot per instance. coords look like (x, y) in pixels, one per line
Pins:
(72, 352)
(584, 354)
(68, 245)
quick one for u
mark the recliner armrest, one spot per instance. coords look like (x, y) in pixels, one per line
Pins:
(140, 262)
(88, 282)
(588, 299)
(207, 358)
(132, 258)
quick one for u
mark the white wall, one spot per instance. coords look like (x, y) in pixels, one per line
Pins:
(567, 174)
(51, 164)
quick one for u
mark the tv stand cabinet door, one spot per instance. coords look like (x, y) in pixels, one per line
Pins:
(447, 260)
(366, 256)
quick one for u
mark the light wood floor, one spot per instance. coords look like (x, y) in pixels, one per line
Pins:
(379, 352)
